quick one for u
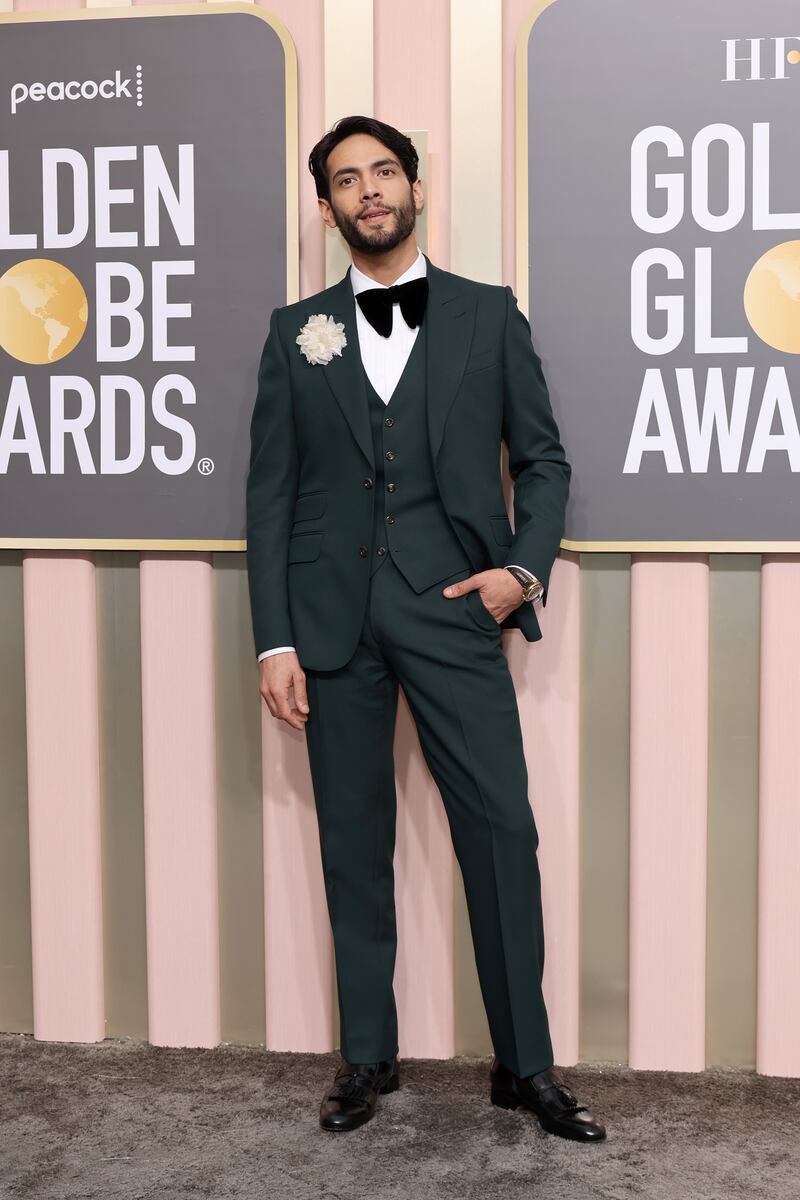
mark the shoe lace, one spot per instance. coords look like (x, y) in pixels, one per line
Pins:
(565, 1096)
(352, 1085)
(570, 1100)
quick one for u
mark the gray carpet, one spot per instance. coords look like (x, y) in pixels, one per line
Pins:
(126, 1119)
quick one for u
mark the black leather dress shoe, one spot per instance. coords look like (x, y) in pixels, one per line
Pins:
(354, 1096)
(549, 1098)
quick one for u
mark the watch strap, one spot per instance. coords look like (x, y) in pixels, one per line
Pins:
(533, 588)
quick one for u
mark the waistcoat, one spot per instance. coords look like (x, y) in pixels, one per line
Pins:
(410, 522)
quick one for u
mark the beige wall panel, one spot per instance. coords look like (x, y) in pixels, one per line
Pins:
(349, 34)
(475, 250)
(734, 643)
(476, 28)
(16, 988)
(471, 1029)
(605, 749)
(241, 868)
(119, 682)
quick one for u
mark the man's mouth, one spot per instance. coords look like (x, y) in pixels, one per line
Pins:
(375, 215)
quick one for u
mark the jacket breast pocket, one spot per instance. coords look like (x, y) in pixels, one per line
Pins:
(501, 528)
(310, 505)
(481, 360)
(304, 547)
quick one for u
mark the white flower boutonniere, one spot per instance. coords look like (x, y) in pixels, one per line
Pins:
(321, 337)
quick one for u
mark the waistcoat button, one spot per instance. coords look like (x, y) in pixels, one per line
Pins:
(381, 549)
(390, 454)
(390, 487)
(367, 483)
(389, 421)
(363, 551)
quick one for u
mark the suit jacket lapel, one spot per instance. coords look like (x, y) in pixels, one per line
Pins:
(345, 374)
(450, 315)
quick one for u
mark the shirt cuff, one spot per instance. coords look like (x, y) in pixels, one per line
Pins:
(274, 650)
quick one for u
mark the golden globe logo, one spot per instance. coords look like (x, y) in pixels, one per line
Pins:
(45, 315)
(43, 311)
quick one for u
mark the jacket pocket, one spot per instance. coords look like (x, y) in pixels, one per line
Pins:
(478, 610)
(310, 506)
(501, 528)
(304, 547)
(477, 362)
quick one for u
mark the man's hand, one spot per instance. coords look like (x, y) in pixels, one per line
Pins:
(278, 673)
(500, 592)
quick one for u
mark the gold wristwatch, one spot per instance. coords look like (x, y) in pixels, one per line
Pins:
(532, 588)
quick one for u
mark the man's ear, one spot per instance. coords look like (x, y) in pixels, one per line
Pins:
(419, 198)
(326, 212)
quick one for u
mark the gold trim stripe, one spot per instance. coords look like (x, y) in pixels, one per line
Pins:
(688, 547)
(115, 544)
(597, 547)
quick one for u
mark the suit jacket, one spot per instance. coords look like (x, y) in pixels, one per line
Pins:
(311, 452)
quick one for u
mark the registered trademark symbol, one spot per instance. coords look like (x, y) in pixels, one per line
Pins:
(205, 466)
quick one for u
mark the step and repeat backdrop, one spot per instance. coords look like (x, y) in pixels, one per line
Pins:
(146, 231)
(148, 225)
(630, 168)
(659, 190)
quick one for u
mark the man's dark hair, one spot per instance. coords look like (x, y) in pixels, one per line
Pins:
(401, 147)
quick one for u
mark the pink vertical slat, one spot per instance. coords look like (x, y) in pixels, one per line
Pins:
(180, 816)
(669, 767)
(412, 91)
(64, 787)
(547, 677)
(778, 1003)
(298, 968)
(64, 796)
(180, 800)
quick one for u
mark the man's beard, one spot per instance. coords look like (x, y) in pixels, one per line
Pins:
(378, 241)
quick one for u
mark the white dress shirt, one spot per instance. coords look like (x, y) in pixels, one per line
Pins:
(383, 358)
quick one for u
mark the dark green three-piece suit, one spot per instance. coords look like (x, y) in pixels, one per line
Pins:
(358, 515)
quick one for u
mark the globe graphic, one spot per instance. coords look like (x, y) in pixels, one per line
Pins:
(43, 311)
(772, 297)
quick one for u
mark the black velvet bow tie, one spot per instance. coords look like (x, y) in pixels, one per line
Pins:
(376, 304)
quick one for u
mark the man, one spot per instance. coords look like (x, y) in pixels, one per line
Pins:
(380, 555)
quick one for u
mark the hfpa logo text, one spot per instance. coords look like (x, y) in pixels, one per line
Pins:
(754, 58)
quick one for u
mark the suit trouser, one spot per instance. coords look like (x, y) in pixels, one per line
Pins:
(447, 656)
